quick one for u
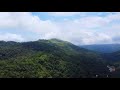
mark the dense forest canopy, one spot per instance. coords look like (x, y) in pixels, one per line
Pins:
(50, 59)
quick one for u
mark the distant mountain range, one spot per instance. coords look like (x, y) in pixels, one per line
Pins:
(103, 48)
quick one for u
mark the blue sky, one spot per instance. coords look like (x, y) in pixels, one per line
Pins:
(80, 28)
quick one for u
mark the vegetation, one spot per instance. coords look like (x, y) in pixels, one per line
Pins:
(49, 59)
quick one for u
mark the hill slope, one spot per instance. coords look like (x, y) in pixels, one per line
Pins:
(49, 59)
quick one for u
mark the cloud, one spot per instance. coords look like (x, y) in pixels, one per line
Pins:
(11, 37)
(25, 21)
(113, 16)
(82, 30)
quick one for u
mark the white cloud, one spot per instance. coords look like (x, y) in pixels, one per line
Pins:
(77, 31)
(25, 21)
(113, 16)
(11, 37)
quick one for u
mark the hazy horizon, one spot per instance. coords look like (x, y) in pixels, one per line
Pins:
(59, 39)
(79, 28)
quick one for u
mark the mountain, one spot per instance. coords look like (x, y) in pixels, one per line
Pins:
(103, 48)
(113, 57)
(52, 58)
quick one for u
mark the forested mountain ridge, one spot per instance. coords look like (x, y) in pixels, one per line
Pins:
(49, 59)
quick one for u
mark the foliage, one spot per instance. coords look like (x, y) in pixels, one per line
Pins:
(49, 59)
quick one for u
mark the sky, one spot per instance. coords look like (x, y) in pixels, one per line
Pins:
(79, 28)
